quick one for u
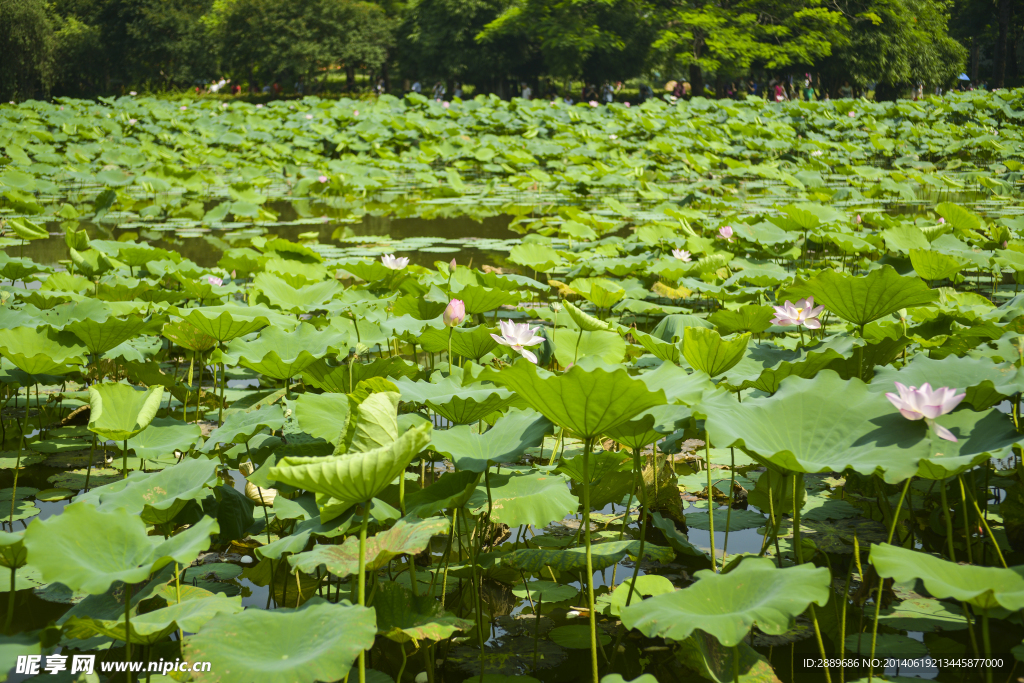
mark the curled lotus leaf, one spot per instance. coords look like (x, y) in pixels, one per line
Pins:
(728, 605)
(574, 559)
(120, 411)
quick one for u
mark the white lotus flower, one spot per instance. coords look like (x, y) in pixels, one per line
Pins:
(518, 336)
(393, 262)
(682, 255)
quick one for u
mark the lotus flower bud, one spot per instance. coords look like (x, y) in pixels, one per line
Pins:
(455, 313)
(452, 266)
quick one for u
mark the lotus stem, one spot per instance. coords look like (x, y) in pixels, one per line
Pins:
(199, 388)
(988, 644)
(124, 459)
(17, 463)
(967, 526)
(177, 593)
(711, 501)
(450, 330)
(728, 514)
(478, 608)
(949, 523)
(223, 386)
(405, 658)
(448, 554)
(640, 554)
(798, 551)
(590, 562)
(988, 531)
(10, 602)
(881, 582)
(128, 624)
(736, 663)
(362, 579)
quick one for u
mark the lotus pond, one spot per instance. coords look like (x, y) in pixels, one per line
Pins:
(394, 391)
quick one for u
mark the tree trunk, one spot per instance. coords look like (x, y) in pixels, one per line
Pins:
(1005, 17)
(696, 81)
(350, 77)
(975, 49)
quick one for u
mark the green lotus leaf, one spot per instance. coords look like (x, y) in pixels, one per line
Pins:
(587, 402)
(239, 427)
(540, 257)
(676, 539)
(679, 385)
(468, 342)
(316, 643)
(534, 498)
(188, 336)
(12, 549)
(471, 404)
(658, 348)
(282, 354)
(646, 586)
(27, 230)
(368, 271)
(417, 307)
(505, 442)
(225, 323)
(548, 591)
(120, 411)
(325, 416)
(376, 422)
(450, 491)
(738, 520)
(335, 378)
(601, 292)
(577, 637)
(482, 299)
(984, 587)
(102, 335)
(404, 617)
(985, 383)
(277, 293)
(923, 614)
(573, 560)
(409, 536)
(931, 265)
(862, 299)
(41, 350)
(571, 345)
(649, 426)
(765, 365)
(822, 425)
(707, 352)
(88, 550)
(157, 497)
(353, 477)
(905, 239)
(163, 437)
(584, 321)
(728, 605)
(152, 627)
(745, 319)
(957, 216)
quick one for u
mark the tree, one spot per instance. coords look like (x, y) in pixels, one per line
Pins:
(896, 43)
(26, 43)
(730, 38)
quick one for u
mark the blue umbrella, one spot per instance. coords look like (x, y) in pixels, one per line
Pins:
(964, 77)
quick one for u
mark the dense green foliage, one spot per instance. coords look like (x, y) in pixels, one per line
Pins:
(309, 459)
(105, 47)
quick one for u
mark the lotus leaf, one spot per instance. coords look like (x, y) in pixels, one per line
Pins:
(87, 549)
(316, 643)
(573, 560)
(120, 411)
(535, 498)
(728, 605)
(863, 299)
(404, 617)
(505, 442)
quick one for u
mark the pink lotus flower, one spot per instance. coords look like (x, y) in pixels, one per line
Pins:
(593, 103)
(393, 262)
(133, 121)
(183, 107)
(454, 313)
(682, 255)
(355, 113)
(851, 114)
(446, 104)
(322, 179)
(941, 220)
(803, 313)
(627, 105)
(926, 404)
(309, 116)
(726, 233)
(518, 336)
(857, 220)
(214, 280)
